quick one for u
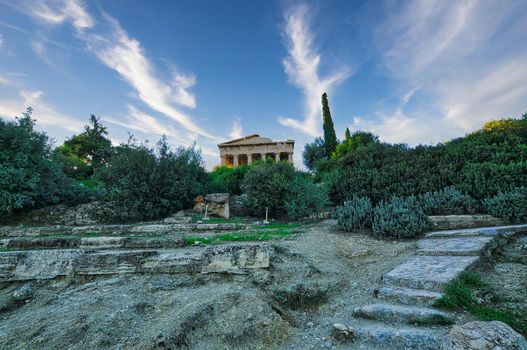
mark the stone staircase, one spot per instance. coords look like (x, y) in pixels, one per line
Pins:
(405, 318)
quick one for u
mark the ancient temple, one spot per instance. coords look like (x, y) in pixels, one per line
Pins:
(253, 148)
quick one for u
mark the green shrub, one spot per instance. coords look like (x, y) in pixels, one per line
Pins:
(304, 198)
(227, 179)
(281, 189)
(482, 164)
(399, 217)
(448, 201)
(267, 186)
(354, 214)
(510, 205)
(150, 185)
(28, 176)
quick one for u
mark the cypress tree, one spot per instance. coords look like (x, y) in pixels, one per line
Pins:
(347, 134)
(330, 138)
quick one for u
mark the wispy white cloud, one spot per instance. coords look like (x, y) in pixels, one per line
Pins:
(302, 66)
(237, 131)
(112, 45)
(140, 121)
(181, 85)
(125, 55)
(462, 58)
(60, 11)
(44, 112)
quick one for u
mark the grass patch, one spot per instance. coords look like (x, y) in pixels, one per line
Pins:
(459, 295)
(242, 236)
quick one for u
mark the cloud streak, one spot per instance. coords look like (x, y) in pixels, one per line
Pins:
(237, 131)
(112, 45)
(456, 64)
(58, 12)
(302, 67)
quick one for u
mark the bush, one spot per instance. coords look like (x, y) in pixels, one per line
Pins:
(448, 201)
(399, 218)
(28, 176)
(482, 164)
(354, 214)
(267, 185)
(281, 189)
(227, 179)
(304, 198)
(510, 205)
(151, 185)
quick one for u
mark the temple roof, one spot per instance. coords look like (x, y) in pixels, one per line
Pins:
(254, 139)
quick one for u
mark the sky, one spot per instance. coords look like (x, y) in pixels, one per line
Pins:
(207, 71)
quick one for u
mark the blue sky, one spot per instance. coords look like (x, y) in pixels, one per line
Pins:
(208, 71)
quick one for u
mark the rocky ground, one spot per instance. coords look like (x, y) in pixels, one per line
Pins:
(315, 278)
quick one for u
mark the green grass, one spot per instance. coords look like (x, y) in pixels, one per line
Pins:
(459, 295)
(242, 236)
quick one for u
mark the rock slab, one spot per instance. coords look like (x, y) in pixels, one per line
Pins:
(428, 272)
(479, 335)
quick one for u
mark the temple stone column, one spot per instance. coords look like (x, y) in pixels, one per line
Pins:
(249, 158)
(290, 158)
(263, 157)
(277, 157)
(235, 162)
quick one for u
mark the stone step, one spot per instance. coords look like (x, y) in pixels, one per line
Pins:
(381, 336)
(47, 264)
(460, 246)
(408, 296)
(143, 228)
(482, 231)
(403, 313)
(101, 242)
(428, 272)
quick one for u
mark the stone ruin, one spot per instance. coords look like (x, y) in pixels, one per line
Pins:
(255, 148)
(215, 204)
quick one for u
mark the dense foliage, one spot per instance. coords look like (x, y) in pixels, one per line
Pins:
(150, 184)
(304, 198)
(313, 153)
(481, 165)
(330, 137)
(354, 214)
(399, 218)
(82, 154)
(448, 201)
(28, 176)
(510, 205)
(228, 180)
(281, 189)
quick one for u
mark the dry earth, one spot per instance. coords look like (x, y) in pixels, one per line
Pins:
(317, 277)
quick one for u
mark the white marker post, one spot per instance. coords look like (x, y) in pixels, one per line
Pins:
(206, 212)
(266, 215)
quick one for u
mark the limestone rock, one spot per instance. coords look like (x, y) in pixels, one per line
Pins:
(23, 293)
(342, 332)
(219, 198)
(452, 222)
(479, 335)
(215, 204)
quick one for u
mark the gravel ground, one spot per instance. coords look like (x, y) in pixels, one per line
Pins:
(317, 278)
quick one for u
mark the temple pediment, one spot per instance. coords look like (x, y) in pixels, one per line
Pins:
(251, 148)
